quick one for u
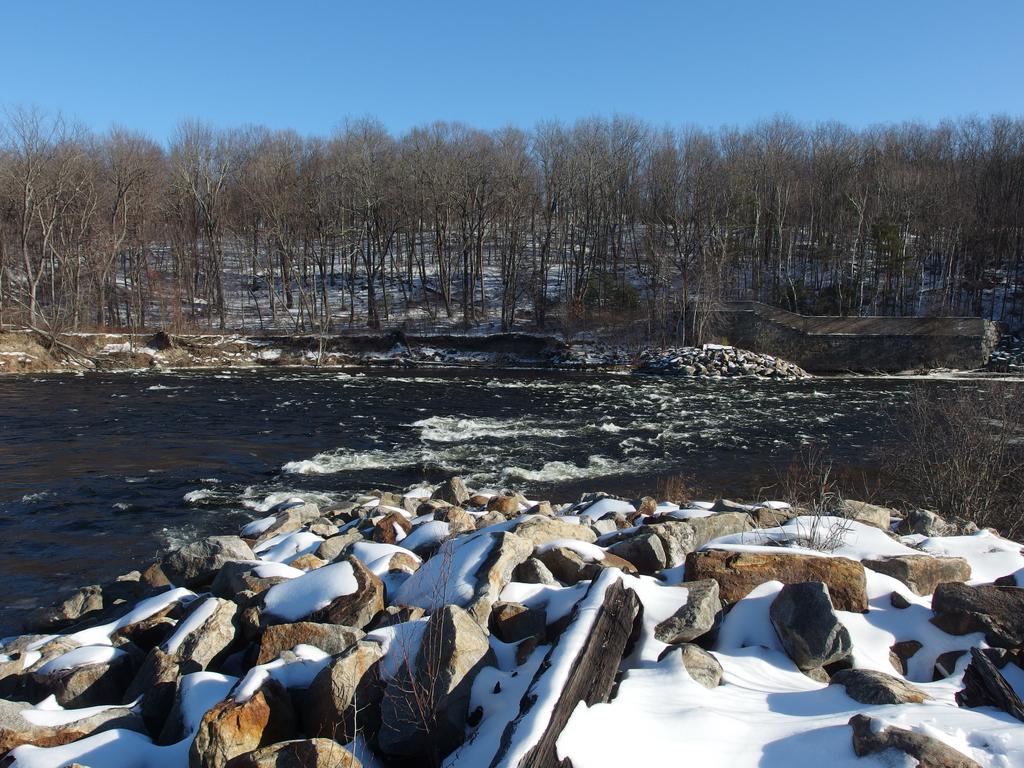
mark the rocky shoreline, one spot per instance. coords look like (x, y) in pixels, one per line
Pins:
(446, 625)
(27, 353)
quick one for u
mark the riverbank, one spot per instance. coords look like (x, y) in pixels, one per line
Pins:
(465, 626)
(27, 352)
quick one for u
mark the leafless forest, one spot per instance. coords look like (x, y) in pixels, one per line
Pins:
(562, 226)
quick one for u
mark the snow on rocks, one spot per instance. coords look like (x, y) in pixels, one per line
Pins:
(716, 361)
(462, 627)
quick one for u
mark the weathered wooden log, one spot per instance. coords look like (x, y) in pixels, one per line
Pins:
(587, 657)
(984, 686)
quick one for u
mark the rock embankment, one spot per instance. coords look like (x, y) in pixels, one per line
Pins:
(464, 627)
(716, 361)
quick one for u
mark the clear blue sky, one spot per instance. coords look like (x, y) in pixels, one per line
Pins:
(148, 64)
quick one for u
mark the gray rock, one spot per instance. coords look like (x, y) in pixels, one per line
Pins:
(807, 626)
(700, 665)
(423, 713)
(291, 519)
(997, 611)
(678, 538)
(453, 490)
(644, 550)
(337, 547)
(869, 687)
(925, 523)
(237, 577)
(922, 573)
(431, 585)
(723, 524)
(696, 617)
(543, 530)
(351, 682)
(533, 571)
(869, 514)
(196, 564)
(88, 685)
(212, 637)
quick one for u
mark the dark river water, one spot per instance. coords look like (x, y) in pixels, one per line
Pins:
(101, 472)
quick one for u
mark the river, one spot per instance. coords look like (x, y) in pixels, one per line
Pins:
(101, 472)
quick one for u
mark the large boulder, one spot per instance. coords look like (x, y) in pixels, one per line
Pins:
(468, 571)
(807, 626)
(358, 608)
(924, 523)
(232, 728)
(644, 550)
(345, 696)
(514, 622)
(205, 633)
(157, 683)
(997, 611)
(706, 529)
(329, 638)
(737, 573)
(677, 538)
(338, 546)
(698, 615)
(16, 730)
(922, 573)
(424, 709)
(298, 753)
(86, 677)
(453, 491)
(571, 567)
(871, 737)
(867, 686)
(341, 593)
(869, 514)
(540, 530)
(289, 519)
(197, 563)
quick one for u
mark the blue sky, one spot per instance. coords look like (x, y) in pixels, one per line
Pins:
(307, 65)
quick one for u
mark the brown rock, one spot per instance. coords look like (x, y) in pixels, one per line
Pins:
(737, 573)
(922, 573)
(901, 652)
(358, 608)
(15, 730)
(929, 752)
(386, 530)
(867, 686)
(307, 562)
(505, 505)
(996, 611)
(514, 622)
(329, 638)
(299, 753)
(232, 728)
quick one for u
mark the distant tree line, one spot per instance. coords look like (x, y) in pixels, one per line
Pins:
(604, 220)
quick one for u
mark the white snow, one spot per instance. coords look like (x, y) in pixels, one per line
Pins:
(199, 616)
(80, 657)
(292, 600)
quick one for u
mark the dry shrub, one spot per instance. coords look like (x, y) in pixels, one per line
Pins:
(961, 453)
